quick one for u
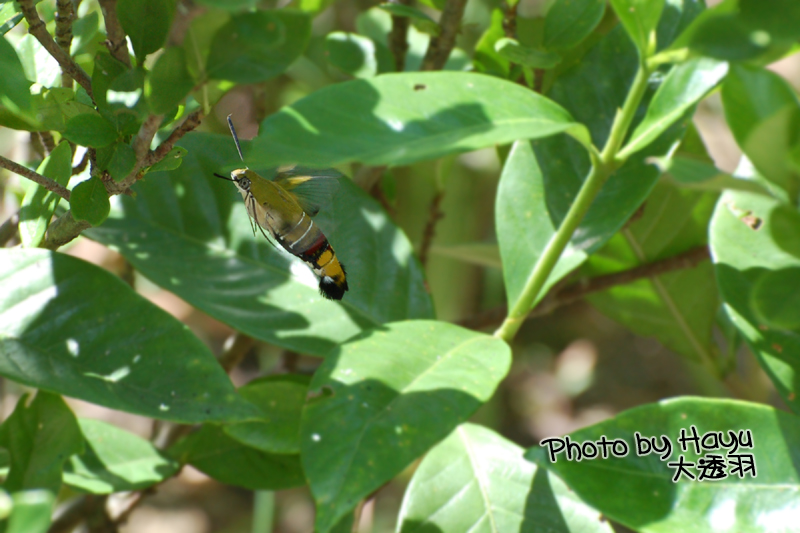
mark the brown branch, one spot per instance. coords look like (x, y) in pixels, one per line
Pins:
(84, 161)
(45, 182)
(510, 20)
(9, 229)
(398, 38)
(191, 122)
(37, 28)
(48, 141)
(440, 46)
(65, 14)
(116, 43)
(141, 147)
(434, 215)
(578, 291)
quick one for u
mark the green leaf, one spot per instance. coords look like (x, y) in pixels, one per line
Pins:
(229, 5)
(15, 92)
(486, 58)
(85, 32)
(568, 22)
(89, 201)
(39, 436)
(31, 512)
(775, 298)
(521, 209)
(171, 161)
(397, 119)
(39, 204)
(418, 18)
(525, 55)
(147, 24)
(168, 83)
(646, 499)
(351, 53)
(677, 308)
(90, 129)
(216, 454)
(70, 327)
(118, 159)
(754, 243)
(115, 460)
(40, 67)
(481, 254)
(475, 480)
(189, 233)
(280, 399)
(763, 113)
(693, 174)
(314, 7)
(382, 399)
(9, 17)
(640, 18)
(254, 47)
(534, 197)
(685, 85)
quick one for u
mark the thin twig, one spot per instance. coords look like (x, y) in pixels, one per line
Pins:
(580, 290)
(84, 161)
(116, 43)
(9, 229)
(191, 122)
(45, 182)
(368, 176)
(48, 141)
(65, 14)
(440, 46)
(141, 147)
(510, 19)
(434, 216)
(37, 28)
(398, 38)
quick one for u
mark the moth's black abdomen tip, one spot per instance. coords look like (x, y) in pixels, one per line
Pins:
(330, 289)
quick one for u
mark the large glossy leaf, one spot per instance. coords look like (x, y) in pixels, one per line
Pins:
(684, 86)
(763, 112)
(115, 460)
(39, 436)
(188, 232)
(645, 497)
(147, 23)
(384, 398)
(213, 452)
(678, 308)
(39, 204)
(257, 46)
(70, 327)
(524, 226)
(533, 199)
(281, 400)
(397, 119)
(568, 22)
(753, 237)
(475, 480)
(168, 83)
(40, 67)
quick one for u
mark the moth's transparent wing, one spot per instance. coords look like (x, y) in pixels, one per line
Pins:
(313, 190)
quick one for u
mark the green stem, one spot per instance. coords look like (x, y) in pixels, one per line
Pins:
(603, 165)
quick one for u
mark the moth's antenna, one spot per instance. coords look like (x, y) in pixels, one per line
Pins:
(235, 137)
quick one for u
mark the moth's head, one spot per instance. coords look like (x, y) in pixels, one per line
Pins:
(241, 178)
